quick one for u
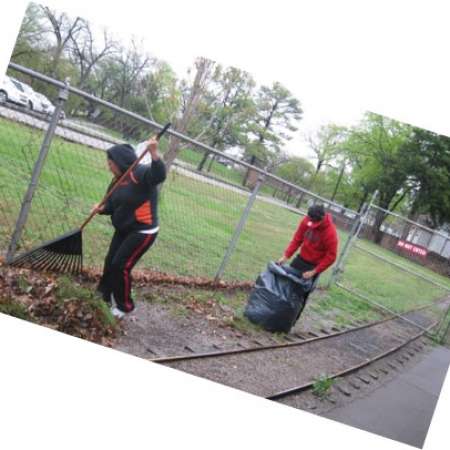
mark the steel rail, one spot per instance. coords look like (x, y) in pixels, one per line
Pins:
(304, 387)
(203, 355)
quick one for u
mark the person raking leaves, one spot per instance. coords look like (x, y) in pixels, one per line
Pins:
(133, 208)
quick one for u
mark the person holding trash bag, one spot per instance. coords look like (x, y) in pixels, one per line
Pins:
(317, 239)
(133, 211)
(280, 292)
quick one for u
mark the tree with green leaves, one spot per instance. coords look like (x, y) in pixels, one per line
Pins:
(229, 106)
(326, 144)
(430, 195)
(380, 150)
(297, 171)
(32, 34)
(277, 112)
(161, 93)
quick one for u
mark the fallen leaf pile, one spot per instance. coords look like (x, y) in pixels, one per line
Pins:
(36, 295)
(145, 276)
(33, 296)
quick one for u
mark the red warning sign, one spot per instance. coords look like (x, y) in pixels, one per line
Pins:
(411, 248)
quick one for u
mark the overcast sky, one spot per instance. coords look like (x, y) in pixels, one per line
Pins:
(320, 104)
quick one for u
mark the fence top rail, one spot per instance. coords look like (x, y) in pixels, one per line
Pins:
(424, 227)
(171, 132)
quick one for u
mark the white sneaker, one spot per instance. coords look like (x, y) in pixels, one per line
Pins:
(117, 313)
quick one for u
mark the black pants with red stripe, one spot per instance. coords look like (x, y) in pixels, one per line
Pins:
(124, 252)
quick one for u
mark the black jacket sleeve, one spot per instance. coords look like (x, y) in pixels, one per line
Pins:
(108, 208)
(156, 173)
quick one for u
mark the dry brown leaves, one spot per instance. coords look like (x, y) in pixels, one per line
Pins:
(36, 292)
(153, 277)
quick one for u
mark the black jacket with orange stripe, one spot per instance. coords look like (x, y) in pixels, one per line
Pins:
(133, 206)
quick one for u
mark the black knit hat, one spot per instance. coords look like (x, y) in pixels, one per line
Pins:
(123, 155)
(316, 213)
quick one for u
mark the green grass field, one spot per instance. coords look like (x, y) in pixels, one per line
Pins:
(197, 222)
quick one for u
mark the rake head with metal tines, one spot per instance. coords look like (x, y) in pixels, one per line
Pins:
(64, 254)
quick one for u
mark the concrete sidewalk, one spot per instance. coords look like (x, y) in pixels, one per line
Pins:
(402, 409)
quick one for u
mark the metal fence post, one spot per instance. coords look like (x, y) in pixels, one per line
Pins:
(38, 166)
(441, 253)
(337, 267)
(353, 235)
(441, 333)
(445, 337)
(238, 229)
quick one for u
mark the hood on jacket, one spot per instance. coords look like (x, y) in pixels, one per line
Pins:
(324, 223)
(123, 155)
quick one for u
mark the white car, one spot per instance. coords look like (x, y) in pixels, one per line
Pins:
(34, 99)
(12, 91)
(44, 105)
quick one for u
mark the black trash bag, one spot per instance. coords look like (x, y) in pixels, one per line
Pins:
(277, 298)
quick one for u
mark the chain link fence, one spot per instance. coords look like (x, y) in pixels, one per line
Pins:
(220, 217)
(201, 204)
(403, 274)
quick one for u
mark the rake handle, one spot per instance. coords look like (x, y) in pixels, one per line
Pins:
(125, 174)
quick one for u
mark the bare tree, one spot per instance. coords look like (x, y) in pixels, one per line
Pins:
(192, 96)
(131, 64)
(64, 29)
(86, 54)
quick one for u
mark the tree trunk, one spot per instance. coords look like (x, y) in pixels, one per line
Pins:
(289, 194)
(379, 219)
(211, 162)
(252, 162)
(55, 62)
(413, 215)
(363, 200)
(171, 154)
(204, 67)
(202, 163)
(338, 182)
(300, 200)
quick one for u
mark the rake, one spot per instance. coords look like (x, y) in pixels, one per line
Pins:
(65, 253)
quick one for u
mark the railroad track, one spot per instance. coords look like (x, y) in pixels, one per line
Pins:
(280, 370)
(350, 370)
(301, 339)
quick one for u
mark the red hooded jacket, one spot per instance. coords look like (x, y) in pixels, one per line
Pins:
(318, 241)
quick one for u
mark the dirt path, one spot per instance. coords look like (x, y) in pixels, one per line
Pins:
(158, 330)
